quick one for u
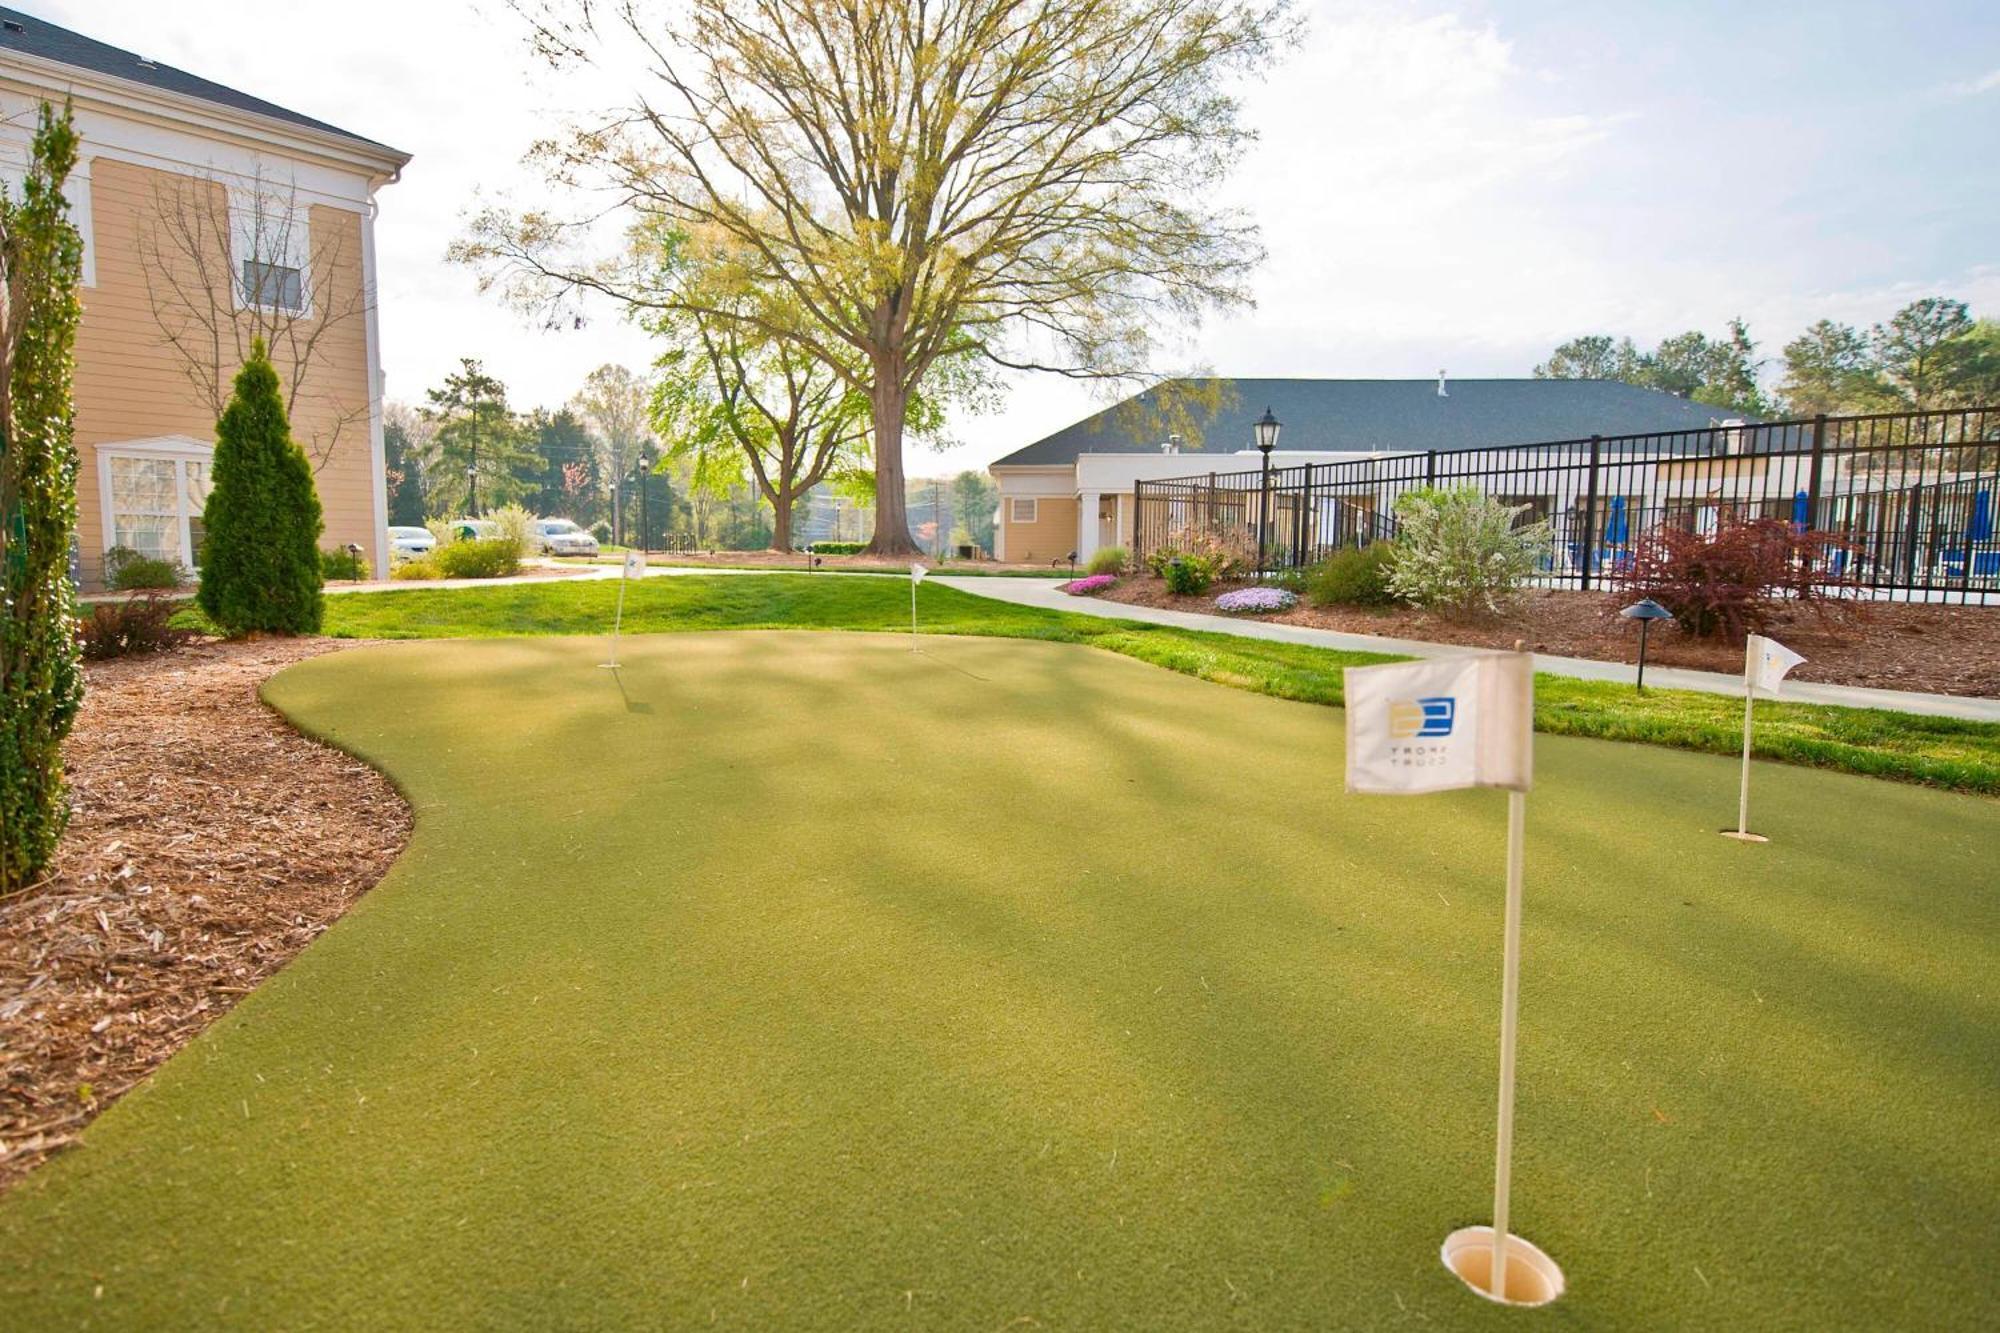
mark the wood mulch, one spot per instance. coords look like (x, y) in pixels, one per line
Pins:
(209, 844)
(1886, 645)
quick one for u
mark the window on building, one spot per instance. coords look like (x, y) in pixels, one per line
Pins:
(153, 500)
(274, 286)
(271, 244)
(1023, 511)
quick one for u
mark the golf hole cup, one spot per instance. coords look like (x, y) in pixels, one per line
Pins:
(1532, 1277)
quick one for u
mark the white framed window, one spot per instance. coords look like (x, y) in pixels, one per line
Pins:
(1022, 511)
(270, 244)
(153, 493)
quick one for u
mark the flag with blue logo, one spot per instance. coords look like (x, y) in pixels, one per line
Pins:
(1450, 722)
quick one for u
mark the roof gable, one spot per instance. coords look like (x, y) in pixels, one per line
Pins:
(1389, 416)
(32, 36)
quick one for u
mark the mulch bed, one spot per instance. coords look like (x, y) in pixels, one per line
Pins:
(1887, 645)
(210, 843)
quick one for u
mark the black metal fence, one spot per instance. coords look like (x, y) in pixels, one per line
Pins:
(1910, 498)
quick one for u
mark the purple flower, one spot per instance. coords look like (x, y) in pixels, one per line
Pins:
(1256, 599)
(1085, 586)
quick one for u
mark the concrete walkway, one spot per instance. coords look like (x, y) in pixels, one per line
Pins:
(1036, 592)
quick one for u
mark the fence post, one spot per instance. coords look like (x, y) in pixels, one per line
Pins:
(1430, 467)
(1813, 482)
(1590, 513)
(1138, 521)
(1299, 520)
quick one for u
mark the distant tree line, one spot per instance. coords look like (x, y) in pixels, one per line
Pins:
(1930, 354)
(685, 454)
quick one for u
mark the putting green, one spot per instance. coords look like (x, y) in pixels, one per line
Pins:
(801, 981)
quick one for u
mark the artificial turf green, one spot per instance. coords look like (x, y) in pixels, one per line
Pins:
(789, 981)
(1937, 751)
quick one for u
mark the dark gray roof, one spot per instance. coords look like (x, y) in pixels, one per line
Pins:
(38, 37)
(1396, 416)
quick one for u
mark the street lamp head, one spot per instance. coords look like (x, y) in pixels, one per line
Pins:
(1267, 428)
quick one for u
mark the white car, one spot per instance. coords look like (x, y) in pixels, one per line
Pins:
(410, 543)
(559, 536)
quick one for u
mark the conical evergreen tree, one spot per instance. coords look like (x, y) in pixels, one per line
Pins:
(260, 561)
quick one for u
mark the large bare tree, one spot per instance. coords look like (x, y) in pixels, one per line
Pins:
(228, 262)
(1027, 181)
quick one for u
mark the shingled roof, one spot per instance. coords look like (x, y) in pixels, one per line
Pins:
(1394, 416)
(38, 37)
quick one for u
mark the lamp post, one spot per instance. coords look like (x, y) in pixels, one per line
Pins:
(1645, 612)
(1267, 428)
(472, 490)
(640, 474)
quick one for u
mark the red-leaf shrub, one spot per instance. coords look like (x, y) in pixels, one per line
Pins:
(1730, 581)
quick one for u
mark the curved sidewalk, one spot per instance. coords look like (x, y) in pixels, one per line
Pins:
(1039, 594)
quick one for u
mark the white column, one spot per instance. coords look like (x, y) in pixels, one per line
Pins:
(378, 472)
(1086, 523)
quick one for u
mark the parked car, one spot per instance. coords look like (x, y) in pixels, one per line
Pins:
(559, 536)
(410, 544)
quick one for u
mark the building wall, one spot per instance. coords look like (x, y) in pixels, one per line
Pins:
(131, 385)
(1051, 536)
(145, 154)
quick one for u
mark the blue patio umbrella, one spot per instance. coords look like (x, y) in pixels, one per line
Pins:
(1980, 527)
(1801, 511)
(1616, 530)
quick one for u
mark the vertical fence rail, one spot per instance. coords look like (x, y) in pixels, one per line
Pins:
(1909, 502)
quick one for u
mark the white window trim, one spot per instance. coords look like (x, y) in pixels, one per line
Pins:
(176, 449)
(245, 245)
(1014, 504)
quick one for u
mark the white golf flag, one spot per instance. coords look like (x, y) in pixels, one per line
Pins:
(1432, 726)
(917, 573)
(1765, 663)
(635, 565)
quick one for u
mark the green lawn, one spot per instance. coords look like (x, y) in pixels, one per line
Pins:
(1013, 985)
(1943, 752)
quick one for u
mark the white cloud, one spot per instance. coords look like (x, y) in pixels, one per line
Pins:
(1986, 83)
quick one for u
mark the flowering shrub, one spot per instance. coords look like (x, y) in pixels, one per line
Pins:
(1083, 587)
(1257, 599)
(1461, 552)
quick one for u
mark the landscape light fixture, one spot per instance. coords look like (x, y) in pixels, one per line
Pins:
(1645, 612)
(1266, 431)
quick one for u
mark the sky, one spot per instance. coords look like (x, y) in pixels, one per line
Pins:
(1439, 186)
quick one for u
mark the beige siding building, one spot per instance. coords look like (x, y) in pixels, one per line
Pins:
(208, 217)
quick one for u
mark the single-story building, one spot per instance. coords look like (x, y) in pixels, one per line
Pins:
(1073, 491)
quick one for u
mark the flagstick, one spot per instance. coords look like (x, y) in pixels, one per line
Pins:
(1743, 792)
(913, 615)
(1510, 1004)
(617, 623)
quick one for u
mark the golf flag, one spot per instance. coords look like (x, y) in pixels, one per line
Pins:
(1417, 727)
(1434, 726)
(917, 573)
(635, 568)
(1766, 662)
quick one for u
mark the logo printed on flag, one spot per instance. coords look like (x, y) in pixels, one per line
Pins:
(1421, 717)
(1433, 726)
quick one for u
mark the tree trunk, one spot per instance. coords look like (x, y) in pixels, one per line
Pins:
(892, 519)
(781, 519)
